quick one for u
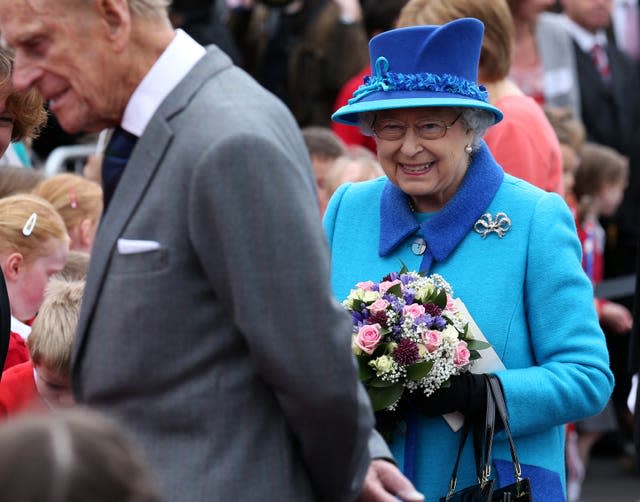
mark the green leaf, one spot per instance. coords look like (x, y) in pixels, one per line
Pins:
(379, 383)
(395, 290)
(382, 398)
(403, 269)
(365, 372)
(477, 345)
(419, 370)
(441, 299)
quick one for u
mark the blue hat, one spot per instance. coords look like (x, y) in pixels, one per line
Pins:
(422, 66)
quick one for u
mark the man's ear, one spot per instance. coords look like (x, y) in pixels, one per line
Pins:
(117, 17)
(12, 266)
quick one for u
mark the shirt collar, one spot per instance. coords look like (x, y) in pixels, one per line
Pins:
(585, 39)
(24, 330)
(180, 56)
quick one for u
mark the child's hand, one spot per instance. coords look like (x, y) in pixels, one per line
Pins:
(616, 317)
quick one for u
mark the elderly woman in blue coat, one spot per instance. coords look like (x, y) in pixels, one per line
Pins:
(508, 249)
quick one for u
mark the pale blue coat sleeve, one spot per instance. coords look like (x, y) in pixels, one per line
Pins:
(569, 377)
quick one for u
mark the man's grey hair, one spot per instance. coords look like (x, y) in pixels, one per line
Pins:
(149, 9)
(476, 119)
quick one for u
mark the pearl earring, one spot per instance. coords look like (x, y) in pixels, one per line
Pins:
(468, 149)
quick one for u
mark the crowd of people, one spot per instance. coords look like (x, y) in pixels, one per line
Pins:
(173, 322)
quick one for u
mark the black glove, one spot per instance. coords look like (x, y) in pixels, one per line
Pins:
(466, 394)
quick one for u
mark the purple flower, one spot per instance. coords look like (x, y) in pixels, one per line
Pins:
(406, 352)
(439, 323)
(391, 277)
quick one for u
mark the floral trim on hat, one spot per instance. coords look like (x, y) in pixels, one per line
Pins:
(385, 80)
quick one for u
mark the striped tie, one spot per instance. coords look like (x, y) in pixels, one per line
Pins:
(601, 62)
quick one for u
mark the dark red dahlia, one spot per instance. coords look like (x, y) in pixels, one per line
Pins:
(432, 309)
(379, 318)
(406, 352)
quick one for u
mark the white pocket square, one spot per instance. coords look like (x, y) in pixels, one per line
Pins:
(136, 246)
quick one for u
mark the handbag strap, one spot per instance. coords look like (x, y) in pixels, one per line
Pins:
(454, 474)
(482, 451)
(496, 391)
(488, 433)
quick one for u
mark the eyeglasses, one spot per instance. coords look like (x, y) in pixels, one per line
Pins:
(393, 130)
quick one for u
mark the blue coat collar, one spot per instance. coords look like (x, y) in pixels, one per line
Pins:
(444, 231)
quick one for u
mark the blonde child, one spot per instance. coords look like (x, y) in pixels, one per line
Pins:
(76, 267)
(44, 381)
(79, 202)
(33, 246)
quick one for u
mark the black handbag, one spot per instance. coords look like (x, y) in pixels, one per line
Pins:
(520, 490)
(484, 490)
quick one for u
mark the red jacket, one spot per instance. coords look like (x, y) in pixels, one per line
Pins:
(17, 353)
(18, 391)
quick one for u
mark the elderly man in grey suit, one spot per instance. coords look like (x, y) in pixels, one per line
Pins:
(208, 327)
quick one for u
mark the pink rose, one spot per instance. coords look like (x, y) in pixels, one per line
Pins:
(451, 306)
(432, 340)
(379, 306)
(368, 338)
(366, 285)
(461, 357)
(386, 285)
(414, 310)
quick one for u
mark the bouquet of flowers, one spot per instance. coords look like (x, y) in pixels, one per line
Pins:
(408, 335)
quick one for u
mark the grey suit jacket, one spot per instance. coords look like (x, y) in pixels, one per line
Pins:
(223, 352)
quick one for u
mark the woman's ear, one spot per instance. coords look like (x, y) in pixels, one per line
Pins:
(12, 265)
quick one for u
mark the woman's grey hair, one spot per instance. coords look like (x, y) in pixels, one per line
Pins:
(476, 119)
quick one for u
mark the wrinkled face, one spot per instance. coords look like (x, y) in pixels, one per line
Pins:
(428, 170)
(6, 120)
(61, 51)
(27, 292)
(53, 388)
(590, 14)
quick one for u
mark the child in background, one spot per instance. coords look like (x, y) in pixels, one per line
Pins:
(571, 135)
(324, 148)
(71, 455)
(76, 267)
(44, 381)
(33, 246)
(16, 179)
(357, 164)
(79, 202)
(600, 182)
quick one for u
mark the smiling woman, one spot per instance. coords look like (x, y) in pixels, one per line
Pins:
(22, 114)
(445, 191)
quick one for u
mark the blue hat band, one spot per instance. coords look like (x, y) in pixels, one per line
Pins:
(385, 80)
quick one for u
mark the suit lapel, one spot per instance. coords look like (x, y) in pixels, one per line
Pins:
(145, 160)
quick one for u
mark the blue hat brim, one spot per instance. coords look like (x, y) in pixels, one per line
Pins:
(350, 114)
